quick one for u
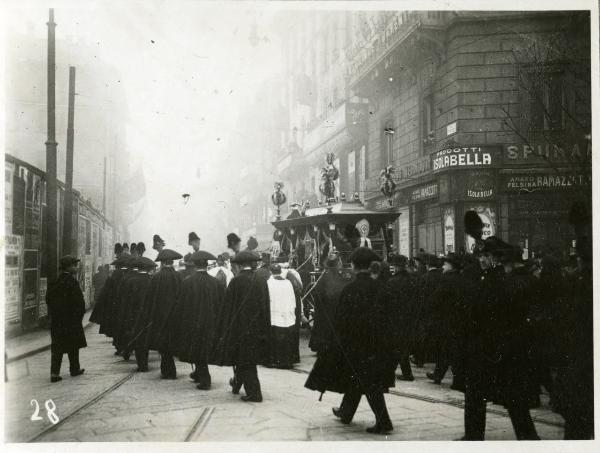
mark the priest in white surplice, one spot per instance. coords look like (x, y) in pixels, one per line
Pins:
(285, 317)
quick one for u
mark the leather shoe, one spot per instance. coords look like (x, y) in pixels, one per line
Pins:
(55, 378)
(251, 399)
(380, 429)
(162, 376)
(433, 378)
(203, 386)
(142, 369)
(338, 413)
(79, 372)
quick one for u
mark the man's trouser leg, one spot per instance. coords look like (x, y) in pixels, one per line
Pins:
(55, 362)
(379, 408)
(441, 368)
(141, 357)
(522, 422)
(74, 361)
(405, 366)
(475, 405)
(349, 405)
(248, 376)
(167, 365)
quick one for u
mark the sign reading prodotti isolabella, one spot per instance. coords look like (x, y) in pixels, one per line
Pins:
(463, 157)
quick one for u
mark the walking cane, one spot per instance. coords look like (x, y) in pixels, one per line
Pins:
(135, 338)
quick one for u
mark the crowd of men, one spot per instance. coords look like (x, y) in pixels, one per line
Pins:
(504, 326)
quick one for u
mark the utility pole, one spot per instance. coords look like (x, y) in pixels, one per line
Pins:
(104, 191)
(51, 188)
(68, 208)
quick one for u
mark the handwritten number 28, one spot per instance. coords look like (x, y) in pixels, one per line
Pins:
(50, 411)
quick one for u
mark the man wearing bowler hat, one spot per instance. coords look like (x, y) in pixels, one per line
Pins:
(66, 307)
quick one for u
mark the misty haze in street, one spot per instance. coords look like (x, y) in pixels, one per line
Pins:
(165, 87)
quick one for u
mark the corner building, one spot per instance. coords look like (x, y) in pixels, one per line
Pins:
(484, 111)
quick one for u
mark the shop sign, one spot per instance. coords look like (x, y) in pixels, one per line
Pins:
(414, 169)
(543, 181)
(544, 153)
(449, 230)
(480, 184)
(463, 157)
(383, 203)
(424, 193)
(488, 218)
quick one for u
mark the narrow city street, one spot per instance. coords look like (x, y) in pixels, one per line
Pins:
(111, 402)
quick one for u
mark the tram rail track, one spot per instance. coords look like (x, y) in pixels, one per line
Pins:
(90, 402)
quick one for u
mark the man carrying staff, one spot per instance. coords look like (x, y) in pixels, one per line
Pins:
(195, 317)
(363, 359)
(162, 295)
(66, 307)
(244, 327)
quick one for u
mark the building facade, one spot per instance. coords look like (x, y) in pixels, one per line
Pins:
(487, 112)
(25, 264)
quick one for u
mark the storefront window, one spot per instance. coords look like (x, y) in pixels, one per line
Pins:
(428, 218)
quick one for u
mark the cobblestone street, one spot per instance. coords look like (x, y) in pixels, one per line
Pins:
(111, 402)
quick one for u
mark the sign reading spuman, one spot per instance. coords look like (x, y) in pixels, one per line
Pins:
(473, 156)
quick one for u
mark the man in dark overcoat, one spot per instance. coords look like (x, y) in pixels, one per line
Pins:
(426, 334)
(125, 294)
(496, 361)
(363, 359)
(66, 307)
(447, 313)
(103, 310)
(573, 389)
(242, 339)
(162, 295)
(138, 288)
(399, 295)
(326, 295)
(195, 318)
